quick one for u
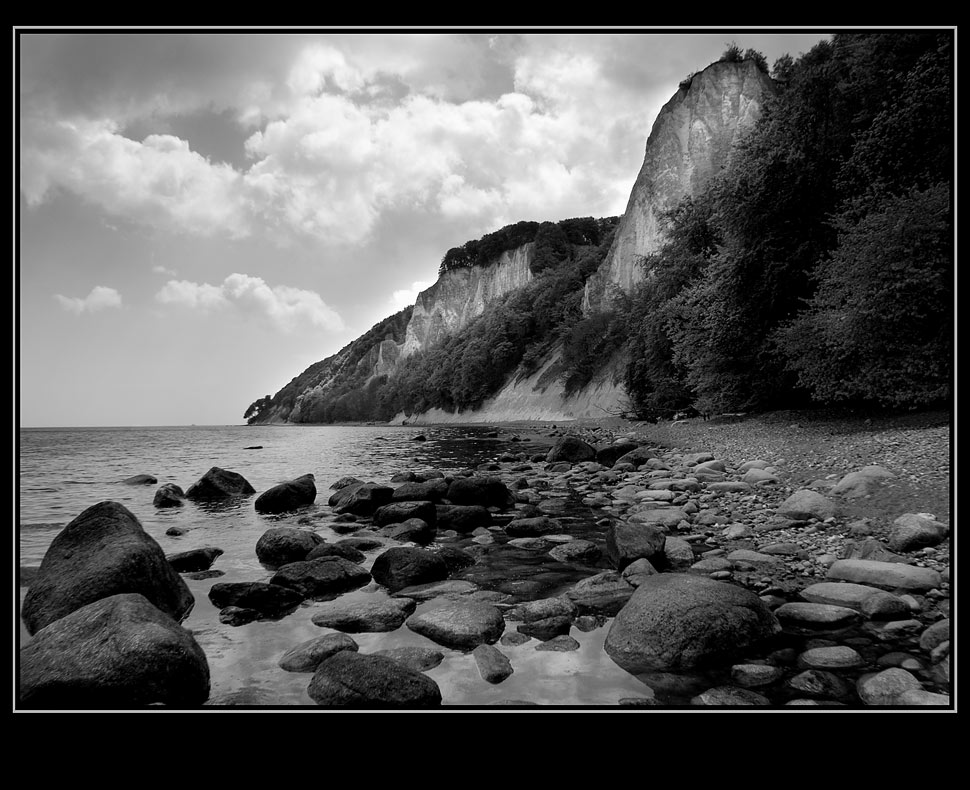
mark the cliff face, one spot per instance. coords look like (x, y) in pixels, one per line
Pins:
(690, 142)
(461, 295)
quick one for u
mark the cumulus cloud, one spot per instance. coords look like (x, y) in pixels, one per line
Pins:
(407, 296)
(159, 269)
(283, 306)
(100, 298)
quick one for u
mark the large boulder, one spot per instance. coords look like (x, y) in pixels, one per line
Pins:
(291, 495)
(321, 577)
(269, 600)
(219, 484)
(414, 530)
(533, 527)
(355, 680)
(887, 575)
(861, 482)
(361, 499)
(396, 512)
(627, 542)
(462, 518)
(462, 625)
(403, 566)
(117, 652)
(484, 491)
(307, 656)
(282, 545)
(571, 449)
(677, 621)
(103, 552)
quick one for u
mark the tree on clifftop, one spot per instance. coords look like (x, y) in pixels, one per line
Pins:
(255, 408)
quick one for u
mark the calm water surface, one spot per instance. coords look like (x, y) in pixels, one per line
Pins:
(65, 471)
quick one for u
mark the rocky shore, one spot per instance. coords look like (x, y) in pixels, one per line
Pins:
(770, 564)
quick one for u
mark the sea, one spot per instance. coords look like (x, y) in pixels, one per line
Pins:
(64, 471)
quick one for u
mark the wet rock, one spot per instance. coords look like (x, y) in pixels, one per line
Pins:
(307, 656)
(338, 549)
(546, 628)
(912, 532)
(601, 594)
(709, 565)
(806, 504)
(287, 496)
(270, 600)
(119, 651)
(175, 532)
(279, 546)
(415, 657)
(885, 688)
(356, 617)
(324, 576)
(627, 542)
(532, 527)
(202, 575)
(493, 664)
(356, 680)
(430, 491)
(194, 559)
(482, 491)
(559, 644)
(888, 575)
(571, 449)
(513, 638)
(169, 495)
(730, 695)
(238, 615)
(403, 566)
(456, 559)
(414, 530)
(677, 555)
(579, 551)
(219, 484)
(101, 553)
(462, 518)
(667, 517)
(343, 482)
(449, 588)
(679, 621)
(361, 499)
(398, 512)
(458, 624)
(140, 480)
(531, 611)
(894, 630)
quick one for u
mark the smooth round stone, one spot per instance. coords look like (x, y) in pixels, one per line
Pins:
(838, 657)
(306, 657)
(816, 615)
(559, 644)
(710, 565)
(754, 675)
(901, 660)
(923, 697)
(884, 688)
(839, 594)
(894, 629)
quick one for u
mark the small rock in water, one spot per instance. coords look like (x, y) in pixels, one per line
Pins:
(560, 644)
(493, 664)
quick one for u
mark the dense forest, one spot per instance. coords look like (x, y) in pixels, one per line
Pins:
(815, 269)
(818, 268)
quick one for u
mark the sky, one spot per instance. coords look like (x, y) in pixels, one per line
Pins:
(203, 214)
